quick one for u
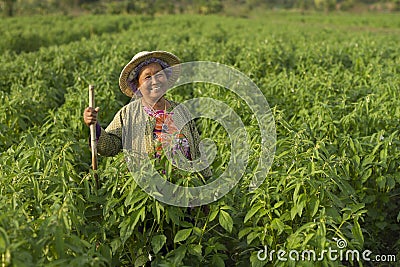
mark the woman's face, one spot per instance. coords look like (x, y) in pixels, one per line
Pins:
(152, 82)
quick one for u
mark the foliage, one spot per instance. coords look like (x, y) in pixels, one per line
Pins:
(332, 85)
(228, 7)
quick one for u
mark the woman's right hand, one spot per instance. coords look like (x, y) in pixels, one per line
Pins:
(90, 115)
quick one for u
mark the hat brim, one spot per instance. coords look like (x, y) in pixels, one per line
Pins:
(172, 60)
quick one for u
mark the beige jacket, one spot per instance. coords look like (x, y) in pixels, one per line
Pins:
(131, 125)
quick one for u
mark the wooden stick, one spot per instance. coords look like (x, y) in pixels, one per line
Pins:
(93, 142)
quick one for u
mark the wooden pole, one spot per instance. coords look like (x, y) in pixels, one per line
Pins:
(93, 142)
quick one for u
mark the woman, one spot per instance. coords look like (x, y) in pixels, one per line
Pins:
(147, 124)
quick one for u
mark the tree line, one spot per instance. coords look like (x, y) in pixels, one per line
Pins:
(150, 7)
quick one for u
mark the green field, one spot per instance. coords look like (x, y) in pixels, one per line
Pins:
(333, 85)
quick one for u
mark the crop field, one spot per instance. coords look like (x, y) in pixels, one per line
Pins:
(332, 82)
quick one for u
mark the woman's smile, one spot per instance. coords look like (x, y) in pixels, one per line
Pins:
(152, 83)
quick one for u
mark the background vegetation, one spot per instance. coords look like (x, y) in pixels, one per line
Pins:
(332, 82)
(155, 7)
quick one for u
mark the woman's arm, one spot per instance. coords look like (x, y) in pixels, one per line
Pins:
(109, 141)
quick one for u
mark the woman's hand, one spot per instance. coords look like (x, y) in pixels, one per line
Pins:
(90, 115)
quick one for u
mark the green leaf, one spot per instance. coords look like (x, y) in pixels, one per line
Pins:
(225, 220)
(293, 212)
(390, 182)
(345, 216)
(213, 214)
(195, 249)
(306, 239)
(356, 160)
(314, 205)
(128, 225)
(335, 199)
(278, 225)
(301, 203)
(244, 232)
(357, 207)
(174, 214)
(115, 245)
(356, 230)
(141, 260)
(217, 261)
(381, 181)
(383, 154)
(219, 246)
(296, 192)
(197, 231)
(59, 242)
(251, 237)
(251, 212)
(278, 204)
(366, 174)
(179, 253)
(368, 160)
(106, 252)
(182, 235)
(226, 207)
(4, 242)
(294, 241)
(157, 242)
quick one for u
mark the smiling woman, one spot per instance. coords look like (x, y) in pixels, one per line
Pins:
(152, 82)
(146, 124)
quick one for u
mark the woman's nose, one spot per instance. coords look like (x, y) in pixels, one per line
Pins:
(154, 79)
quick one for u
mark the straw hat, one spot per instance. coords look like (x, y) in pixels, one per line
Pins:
(126, 76)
